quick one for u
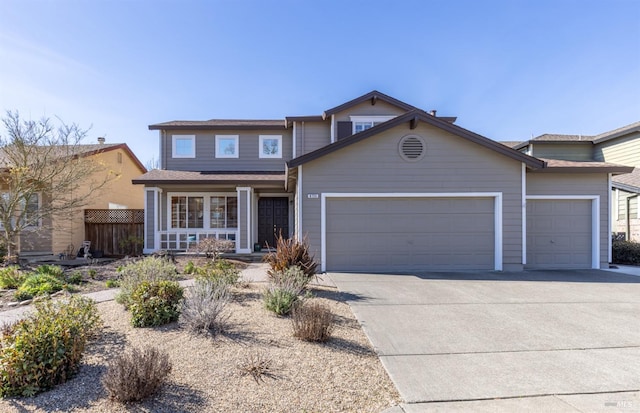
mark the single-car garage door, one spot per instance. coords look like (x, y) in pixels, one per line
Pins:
(409, 234)
(559, 233)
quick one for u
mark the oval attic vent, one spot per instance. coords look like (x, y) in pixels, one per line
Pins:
(412, 148)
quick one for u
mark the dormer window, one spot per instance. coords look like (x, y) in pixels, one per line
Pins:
(362, 123)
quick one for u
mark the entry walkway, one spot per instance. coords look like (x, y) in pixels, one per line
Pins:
(531, 341)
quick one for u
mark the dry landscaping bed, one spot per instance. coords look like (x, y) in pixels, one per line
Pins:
(342, 375)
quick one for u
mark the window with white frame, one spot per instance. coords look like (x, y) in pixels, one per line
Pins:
(199, 211)
(184, 146)
(270, 146)
(187, 212)
(223, 211)
(227, 146)
(362, 123)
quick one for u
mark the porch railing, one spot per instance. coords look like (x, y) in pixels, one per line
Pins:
(188, 239)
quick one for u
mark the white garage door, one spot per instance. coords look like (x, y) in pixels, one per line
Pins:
(409, 234)
(559, 233)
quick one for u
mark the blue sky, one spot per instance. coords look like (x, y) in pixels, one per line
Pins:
(507, 69)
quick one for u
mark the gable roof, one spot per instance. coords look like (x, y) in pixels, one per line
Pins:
(90, 150)
(616, 133)
(248, 124)
(413, 117)
(373, 97)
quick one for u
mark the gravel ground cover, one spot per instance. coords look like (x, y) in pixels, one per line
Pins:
(342, 375)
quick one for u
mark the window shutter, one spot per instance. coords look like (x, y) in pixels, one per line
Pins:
(344, 129)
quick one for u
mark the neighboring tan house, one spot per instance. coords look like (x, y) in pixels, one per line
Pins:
(376, 184)
(620, 146)
(62, 234)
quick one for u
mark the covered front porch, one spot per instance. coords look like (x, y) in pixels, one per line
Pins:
(248, 210)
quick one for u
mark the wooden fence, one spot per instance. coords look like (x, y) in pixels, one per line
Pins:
(115, 232)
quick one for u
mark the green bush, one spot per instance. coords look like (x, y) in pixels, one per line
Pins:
(112, 283)
(190, 268)
(626, 252)
(279, 300)
(11, 277)
(74, 278)
(52, 270)
(220, 272)
(284, 288)
(45, 349)
(38, 284)
(155, 303)
(150, 269)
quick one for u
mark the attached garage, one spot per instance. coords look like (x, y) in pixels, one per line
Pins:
(424, 232)
(562, 233)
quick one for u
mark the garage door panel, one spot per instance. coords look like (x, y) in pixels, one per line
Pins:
(389, 234)
(559, 233)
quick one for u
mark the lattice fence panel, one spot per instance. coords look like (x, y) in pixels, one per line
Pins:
(114, 216)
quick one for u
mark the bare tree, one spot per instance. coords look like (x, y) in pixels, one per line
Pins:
(45, 176)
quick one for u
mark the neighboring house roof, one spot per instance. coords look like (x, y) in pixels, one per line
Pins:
(160, 176)
(413, 117)
(628, 182)
(561, 165)
(373, 97)
(556, 138)
(616, 133)
(89, 150)
(510, 144)
(247, 124)
(310, 118)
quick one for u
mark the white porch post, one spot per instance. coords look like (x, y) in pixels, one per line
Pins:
(243, 237)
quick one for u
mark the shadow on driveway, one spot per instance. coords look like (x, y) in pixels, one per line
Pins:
(576, 276)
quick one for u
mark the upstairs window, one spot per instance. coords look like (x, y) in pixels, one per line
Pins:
(227, 146)
(362, 123)
(184, 146)
(270, 146)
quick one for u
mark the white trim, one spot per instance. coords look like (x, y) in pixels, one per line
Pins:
(497, 215)
(524, 214)
(299, 206)
(217, 146)
(191, 138)
(333, 128)
(368, 119)
(206, 208)
(595, 221)
(609, 219)
(294, 151)
(261, 154)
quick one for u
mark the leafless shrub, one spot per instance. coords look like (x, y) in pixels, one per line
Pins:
(312, 321)
(213, 247)
(258, 365)
(136, 374)
(203, 308)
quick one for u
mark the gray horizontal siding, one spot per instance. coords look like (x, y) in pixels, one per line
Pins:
(624, 151)
(451, 164)
(569, 152)
(248, 159)
(311, 136)
(150, 220)
(577, 184)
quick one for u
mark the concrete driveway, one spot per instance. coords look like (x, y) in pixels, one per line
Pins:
(534, 340)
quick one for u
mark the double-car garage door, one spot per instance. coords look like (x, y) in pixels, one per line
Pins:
(409, 234)
(389, 234)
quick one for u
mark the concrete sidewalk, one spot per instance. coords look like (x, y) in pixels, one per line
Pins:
(532, 341)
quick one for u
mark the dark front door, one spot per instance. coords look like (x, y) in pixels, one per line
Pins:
(273, 219)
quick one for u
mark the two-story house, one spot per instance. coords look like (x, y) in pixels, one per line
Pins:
(376, 184)
(620, 146)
